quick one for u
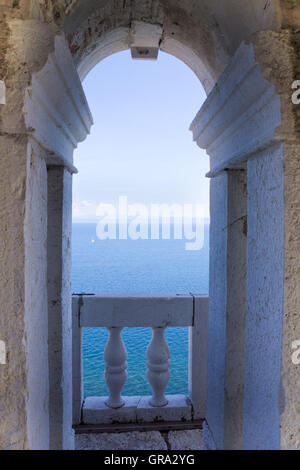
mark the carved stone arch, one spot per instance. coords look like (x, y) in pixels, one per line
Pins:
(252, 138)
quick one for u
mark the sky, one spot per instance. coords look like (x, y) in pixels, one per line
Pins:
(140, 145)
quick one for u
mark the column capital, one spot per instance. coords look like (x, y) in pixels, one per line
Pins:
(240, 116)
(57, 115)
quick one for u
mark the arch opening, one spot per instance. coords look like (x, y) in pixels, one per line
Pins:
(106, 106)
(245, 126)
(142, 34)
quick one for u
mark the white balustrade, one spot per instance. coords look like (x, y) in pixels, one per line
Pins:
(155, 311)
(158, 373)
(115, 356)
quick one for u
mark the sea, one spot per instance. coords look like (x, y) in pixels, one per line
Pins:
(135, 266)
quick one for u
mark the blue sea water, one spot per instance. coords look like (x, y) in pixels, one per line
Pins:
(141, 266)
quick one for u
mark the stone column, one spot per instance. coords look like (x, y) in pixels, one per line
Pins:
(265, 284)
(235, 309)
(214, 427)
(24, 383)
(59, 307)
(226, 334)
(43, 117)
(57, 113)
(36, 308)
(272, 386)
(236, 124)
(24, 421)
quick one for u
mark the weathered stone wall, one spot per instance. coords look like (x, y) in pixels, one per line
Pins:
(36, 308)
(257, 124)
(206, 28)
(23, 381)
(12, 311)
(278, 54)
(212, 30)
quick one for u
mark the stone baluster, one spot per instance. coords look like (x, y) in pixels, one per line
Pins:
(115, 356)
(158, 373)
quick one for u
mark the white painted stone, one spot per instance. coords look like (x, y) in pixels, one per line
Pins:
(146, 310)
(2, 353)
(240, 116)
(265, 291)
(95, 411)
(178, 49)
(60, 307)
(198, 343)
(77, 363)
(144, 53)
(152, 440)
(36, 317)
(144, 40)
(158, 364)
(136, 409)
(235, 309)
(2, 92)
(137, 310)
(237, 125)
(140, 34)
(112, 42)
(145, 34)
(217, 307)
(115, 356)
(56, 110)
(179, 408)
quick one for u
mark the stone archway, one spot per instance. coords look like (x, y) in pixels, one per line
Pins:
(251, 131)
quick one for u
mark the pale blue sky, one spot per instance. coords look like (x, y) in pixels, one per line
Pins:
(140, 145)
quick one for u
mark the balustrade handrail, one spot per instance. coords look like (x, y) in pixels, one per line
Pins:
(158, 312)
(135, 310)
